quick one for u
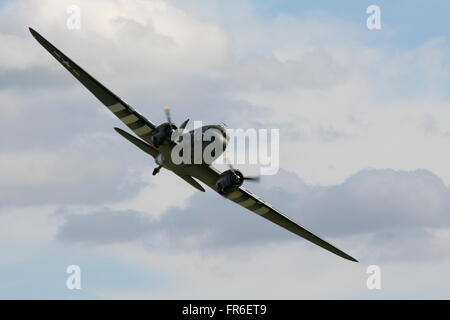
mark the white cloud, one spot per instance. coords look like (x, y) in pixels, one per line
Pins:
(28, 224)
(166, 190)
(291, 271)
(391, 215)
(163, 37)
(64, 177)
(364, 110)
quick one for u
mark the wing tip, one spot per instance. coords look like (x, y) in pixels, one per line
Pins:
(350, 258)
(37, 36)
(33, 32)
(123, 133)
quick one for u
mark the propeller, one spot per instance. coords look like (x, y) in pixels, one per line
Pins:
(254, 179)
(167, 111)
(172, 126)
(251, 178)
(184, 124)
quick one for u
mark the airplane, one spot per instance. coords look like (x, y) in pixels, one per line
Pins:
(156, 141)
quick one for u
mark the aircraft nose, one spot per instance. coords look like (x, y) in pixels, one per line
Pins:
(223, 131)
(219, 128)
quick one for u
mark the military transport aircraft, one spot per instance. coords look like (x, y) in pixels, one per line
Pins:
(156, 140)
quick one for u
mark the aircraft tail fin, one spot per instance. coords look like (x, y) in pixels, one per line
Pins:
(138, 143)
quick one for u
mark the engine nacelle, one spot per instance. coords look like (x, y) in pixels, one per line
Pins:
(229, 181)
(162, 133)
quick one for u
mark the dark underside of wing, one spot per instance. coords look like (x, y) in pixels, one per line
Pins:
(251, 202)
(134, 120)
(255, 204)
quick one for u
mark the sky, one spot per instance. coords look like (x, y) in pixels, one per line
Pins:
(364, 120)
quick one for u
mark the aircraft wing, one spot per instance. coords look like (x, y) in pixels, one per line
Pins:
(255, 204)
(134, 120)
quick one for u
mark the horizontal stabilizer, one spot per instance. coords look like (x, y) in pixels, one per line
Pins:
(138, 143)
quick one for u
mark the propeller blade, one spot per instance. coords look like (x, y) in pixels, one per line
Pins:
(184, 124)
(255, 179)
(167, 111)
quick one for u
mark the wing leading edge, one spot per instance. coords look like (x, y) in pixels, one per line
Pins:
(133, 119)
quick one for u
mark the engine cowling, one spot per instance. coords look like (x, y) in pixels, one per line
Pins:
(229, 181)
(162, 133)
